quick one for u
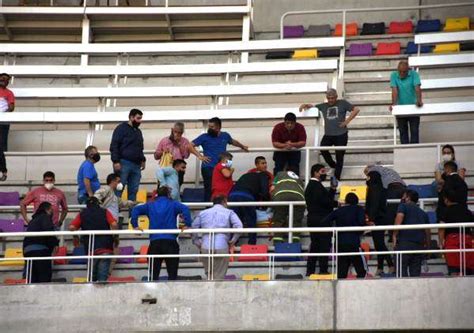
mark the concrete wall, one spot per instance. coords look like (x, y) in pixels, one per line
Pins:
(440, 303)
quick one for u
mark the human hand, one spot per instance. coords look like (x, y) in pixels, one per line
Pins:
(390, 108)
(343, 124)
(245, 148)
(304, 107)
(143, 165)
(419, 103)
(204, 159)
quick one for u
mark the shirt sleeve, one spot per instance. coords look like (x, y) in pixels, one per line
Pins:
(276, 134)
(10, 97)
(348, 106)
(30, 197)
(393, 80)
(76, 223)
(110, 218)
(63, 202)
(159, 148)
(182, 209)
(236, 224)
(196, 225)
(186, 152)
(228, 138)
(136, 212)
(302, 134)
(160, 176)
(115, 145)
(199, 140)
(426, 219)
(330, 218)
(402, 209)
(89, 171)
(416, 79)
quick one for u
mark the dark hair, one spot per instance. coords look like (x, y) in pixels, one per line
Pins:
(219, 200)
(259, 158)
(178, 162)
(374, 178)
(92, 202)
(111, 177)
(413, 195)
(290, 116)
(315, 168)
(88, 150)
(42, 208)
(450, 147)
(351, 199)
(6, 74)
(49, 174)
(163, 191)
(451, 165)
(134, 112)
(216, 120)
(225, 155)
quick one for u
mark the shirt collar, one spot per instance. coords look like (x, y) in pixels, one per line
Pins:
(316, 179)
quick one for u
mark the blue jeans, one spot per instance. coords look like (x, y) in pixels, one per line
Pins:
(248, 215)
(206, 173)
(101, 270)
(130, 175)
(414, 129)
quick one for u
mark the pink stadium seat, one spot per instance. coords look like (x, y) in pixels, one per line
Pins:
(400, 27)
(388, 48)
(253, 249)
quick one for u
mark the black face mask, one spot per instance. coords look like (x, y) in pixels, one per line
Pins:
(322, 177)
(95, 157)
(212, 133)
(135, 124)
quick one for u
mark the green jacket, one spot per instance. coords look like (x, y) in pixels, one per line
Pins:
(288, 182)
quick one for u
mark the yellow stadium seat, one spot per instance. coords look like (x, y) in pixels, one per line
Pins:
(305, 54)
(316, 277)
(359, 190)
(141, 195)
(256, 277)
(143, 223)
(79, 280)
(13, 253)
(457, 24)
(444, 48)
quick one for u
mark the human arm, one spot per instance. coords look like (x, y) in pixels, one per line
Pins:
(76, 223)
(227, 172)
(64, 210)
(136, 212)
(162, 173)
(305, 106)
(462, 173)
(235, 223)
(239, 145)
(111, 220)
(330, 218)
(10, 101)
(301, 141)
(184, 210)
(441, 236)
(354, 112)
(196, 225)
(277, 140)
(394, 87)
(87, 185)
(159, 150)
(29, 198)
(419, 99)
(115, 148)
(194, 151)
(398, 221)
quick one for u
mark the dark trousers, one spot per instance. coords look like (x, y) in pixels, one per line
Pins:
(335, 140)
(344, 262)
(164, 246)
(248, 215)
(4, 129)
(414, 123)
(411, 263)
(291, 159)
(207, 179)
(320, 243)
(379, 243)
(41, 270)
(394, 191)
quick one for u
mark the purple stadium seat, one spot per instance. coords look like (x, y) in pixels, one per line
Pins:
(124, 251)
(230, 277)
(364, 49)
(293, 31)
(12, 225)
(9, 198)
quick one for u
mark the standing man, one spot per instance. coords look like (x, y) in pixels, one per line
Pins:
(214, 142)
(47, 193)
(217, 217)
(320, 203)
(335, 127)
(126, 151)
(7, 104)
(108, 198)
(290, 136)
(87, 178)
(163, 213)
(416, 239)
(406, 89)
(169, 177)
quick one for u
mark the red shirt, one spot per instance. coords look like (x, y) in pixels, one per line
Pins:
(6, 98)
(55, 197)
(110, 220)
(282, 135)
(220, 184)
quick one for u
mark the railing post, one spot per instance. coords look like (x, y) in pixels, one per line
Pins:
(290, 222)
(307, 175)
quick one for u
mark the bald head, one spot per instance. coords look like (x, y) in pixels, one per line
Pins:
(403, 68)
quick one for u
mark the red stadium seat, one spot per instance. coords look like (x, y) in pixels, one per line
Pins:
(400, 27)
(118, 279)
(388, 48)
(351, 29)
(143, 251)
(14, 281)
(253, 249)
(62, 252)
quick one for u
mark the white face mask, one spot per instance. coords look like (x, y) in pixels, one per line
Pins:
(119, 187)
(228, 164)
(447, 157)
(49, 186)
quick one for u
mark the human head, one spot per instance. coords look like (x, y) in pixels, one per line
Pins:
(4, 80)
(177, 131)
(290, 121)
(44, 208)
(410, 196)
(351, 199)
(113, 180)
(220, 200)
(403, 68)
(135, 117)
(261, 163)
(374, 179)
(214, 126)
(163, 191)
(331, 96)
(92, 202)
(447, 153)
(319, 171)
(450, 167)
(92, 154)
(48, 180)
(225, 156)
(179, 165)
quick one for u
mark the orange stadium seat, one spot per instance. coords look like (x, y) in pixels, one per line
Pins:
(351, 29)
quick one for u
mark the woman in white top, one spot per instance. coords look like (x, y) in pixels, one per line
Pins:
(447, 154)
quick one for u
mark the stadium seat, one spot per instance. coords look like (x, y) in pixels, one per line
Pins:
(59, 280)
(115, 279)
(9, 198)
(329, 53)
(400, 27)
(428, 26)
(277, 55)
(13, 253)
(305, 54)
(16, 225)
(143, 251)
(351, 29)
(255, 277)
(364, 49)
(293, 31)
(467, 46)
(432, 217)
(359, 190)
(78, 251)
(253, 249)
(189, 278)
(388, 48)
(230, 277)
(412, 48)
(79, 280)
(424, 191)
(316, 277)
(432, 274)
(193, 195)
(323, 30)
(143, 223)
(457, 24)
(446, 48)
(14, 281)
(61, 252)
(373, 28)
(289, 277)
(287, 248)
(141, 195)
(124, 251)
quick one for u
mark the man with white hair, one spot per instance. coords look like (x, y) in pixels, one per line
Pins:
(335, 127)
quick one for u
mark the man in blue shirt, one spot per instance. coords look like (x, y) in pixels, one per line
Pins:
(87, 178)
(169, 177)
(214, 142)
(163, 214)
(415, 239)
(406, 89)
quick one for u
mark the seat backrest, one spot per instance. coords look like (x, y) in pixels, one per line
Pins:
(351, 29)
(424, 191)
(362, 49)
(428, 26)
(14, 281)
(143, 251)
(279, 55)
(121, 279)
(287, 248)
(445, 48)
(143, 223)
(255, 277)
(432, 217)
(400, 27)
(388, 48)
(305, 54)
(141, 195)
(359, 190)
(316, 277)
(13, 253)
(323, 30)
(457, 24)
(126, 250)
(253, 249)
(373, 28)
(293, 31)
(79, 280)
(412, 48)
(78, 251)
(9, 198)
(61, 252)
(12, 225)
(193, 195)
